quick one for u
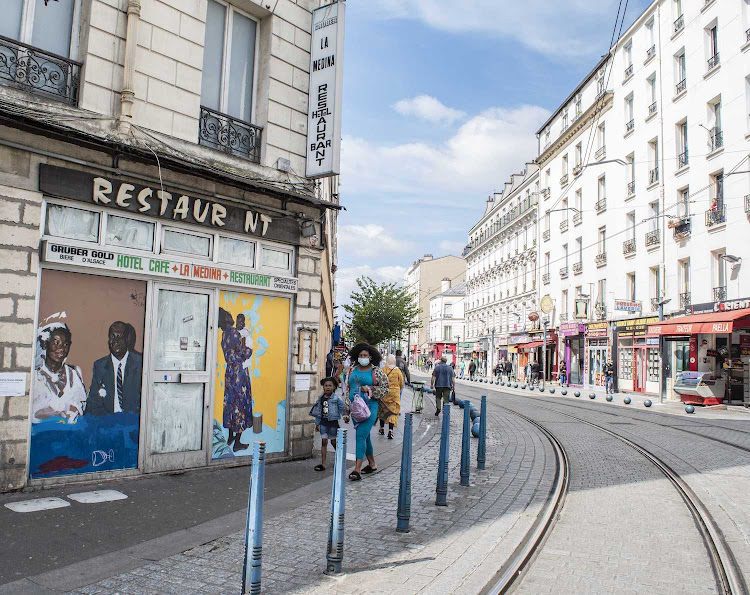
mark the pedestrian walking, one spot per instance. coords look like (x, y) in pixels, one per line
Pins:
(527, 371)
(327, 412)
(442, 382)
(462, 367)
(563, 374)
(472, 369)
(403, 366)
(508, 370)
(498, 369)
(610, 371)
(390, 405)
(367, 384)
(535, 373)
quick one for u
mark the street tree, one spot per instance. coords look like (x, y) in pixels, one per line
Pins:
(380, 311)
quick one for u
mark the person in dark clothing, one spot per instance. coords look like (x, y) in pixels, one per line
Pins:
(508, 370)
(610, 372)
(563, 375)
(534, 373)
(403, 366)
(472, 369)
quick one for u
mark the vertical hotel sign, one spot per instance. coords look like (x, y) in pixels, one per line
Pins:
(324, 100)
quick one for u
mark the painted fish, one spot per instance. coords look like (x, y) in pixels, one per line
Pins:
(99, 457)
(60, 464)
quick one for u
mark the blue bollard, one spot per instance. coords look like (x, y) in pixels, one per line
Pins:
(254, 524)
(473, 413)
(482, 447)
(335, 553)
(404, 486)
(441, 491)
(465, 445)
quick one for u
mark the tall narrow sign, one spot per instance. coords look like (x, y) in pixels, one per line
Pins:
(324, 99)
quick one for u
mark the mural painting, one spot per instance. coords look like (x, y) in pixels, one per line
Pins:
(86, 391)
(252, 360)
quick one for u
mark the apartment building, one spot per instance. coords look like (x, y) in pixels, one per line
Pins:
(501, 260)
(644, 175)
(447, 321)
(167, 288)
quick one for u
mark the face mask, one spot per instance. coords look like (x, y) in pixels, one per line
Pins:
(364, 361)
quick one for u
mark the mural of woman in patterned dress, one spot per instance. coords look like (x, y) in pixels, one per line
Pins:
(238, 399)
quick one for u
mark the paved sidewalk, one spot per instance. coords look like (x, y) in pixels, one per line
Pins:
(450, 549)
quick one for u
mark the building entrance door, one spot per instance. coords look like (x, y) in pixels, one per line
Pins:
(178, 408)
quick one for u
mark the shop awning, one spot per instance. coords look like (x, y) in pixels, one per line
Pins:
(533, 345)
(711, 323)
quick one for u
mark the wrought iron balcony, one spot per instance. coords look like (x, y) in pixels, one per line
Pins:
(747, 204)
(679, 23)
(601, 259)
(650, 52)
(601, 152)
(682, 229)
(714, 61)
(577, 268)
(44, 73)
(631, 188)
(681, 86)
(563, 316)
(628, 247)
(577, 218)
(653, 108)
(716, 216)
(682, 159)
(653, 238)
(715, 139)
(601, 205)
(230, 135)
(655, 304)
(629, 71)
(564, 180)
(564, 225)
(720, 293)
(546, 192)
(684, 300)
(563, 272)
(653, 175)
(545, 278)
(630, 126)
(545, 235)
(600, 311)
(577, 169)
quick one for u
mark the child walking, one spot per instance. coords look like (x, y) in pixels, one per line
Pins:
(327, 411)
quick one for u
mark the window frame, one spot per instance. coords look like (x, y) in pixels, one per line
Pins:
(176, 229)
(26, 28)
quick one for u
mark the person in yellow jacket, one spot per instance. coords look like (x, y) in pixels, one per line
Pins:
(390, 405)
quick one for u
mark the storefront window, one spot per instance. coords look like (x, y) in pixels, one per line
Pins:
(682, 356)
(653, 365)
(576, 363)
(625, 370)
(186, 243)
(130, 233)
(182, 320)
(275, 259)
(76, 224)
(238, 252)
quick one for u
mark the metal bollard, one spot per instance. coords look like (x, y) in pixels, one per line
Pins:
(254, 525)
(482, 446)
(335, 553)
(441, 492)
(404, 487)
(465, 442)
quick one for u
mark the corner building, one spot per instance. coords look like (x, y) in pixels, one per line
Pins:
(166, 295)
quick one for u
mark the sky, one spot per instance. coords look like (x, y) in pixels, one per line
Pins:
(442, 100)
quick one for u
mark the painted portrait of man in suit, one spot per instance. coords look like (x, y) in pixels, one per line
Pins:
(116, 380)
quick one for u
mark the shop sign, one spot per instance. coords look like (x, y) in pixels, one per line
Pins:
(516, 339)
(325, 87)
(163, 203)
(627, 306)
(652, 340)
(108, 260)
(596, 329)
(726, 306)
(712, 353)
(635, 326)
(744, 345)
(567, 329)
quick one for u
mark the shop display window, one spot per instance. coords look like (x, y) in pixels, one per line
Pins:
(130, 233)
(653, 365)
(75, 224)
(625, 370)
(238, 252)
(186, 243)
(682, 356)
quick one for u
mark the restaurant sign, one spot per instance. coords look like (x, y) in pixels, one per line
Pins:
(596, 329)
(725, 306)
(108, 260)
(634, 326)
(627, 306)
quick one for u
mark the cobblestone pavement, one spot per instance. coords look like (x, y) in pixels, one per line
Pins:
(450, 549)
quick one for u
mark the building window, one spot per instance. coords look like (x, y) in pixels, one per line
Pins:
(182, 242)
(715, 134)
(680, 72)
(712, 45)
(240, 252)
(45, 27)
(684, 198)
(602, 240)
(651, 88)
(630, 173)
(630, 286)
(275, 259)
(579, 203)
(653, 159)
(682, 144)
(579, 154)
(579, 250)
(630, 230)
(130, 233)
(629, 114)
(71, 223)
(684, 282)
(564, 303)
(447, 333)
(654, 287)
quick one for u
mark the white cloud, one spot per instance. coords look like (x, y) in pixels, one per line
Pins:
(367, 241)
(478, 158)
(428, 108)
(455, 248)
(346, 279)
(563, 28)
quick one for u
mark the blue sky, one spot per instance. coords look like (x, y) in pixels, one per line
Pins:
(441, 102)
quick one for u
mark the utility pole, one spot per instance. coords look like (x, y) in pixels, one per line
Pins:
(544, 351)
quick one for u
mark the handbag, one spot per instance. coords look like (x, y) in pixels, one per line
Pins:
(359, 409)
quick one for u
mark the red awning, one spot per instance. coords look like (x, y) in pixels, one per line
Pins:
(711, 323)
(533, 345)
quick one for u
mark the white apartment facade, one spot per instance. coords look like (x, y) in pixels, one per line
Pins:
(645, 186)
(447, 320)
(501, 261)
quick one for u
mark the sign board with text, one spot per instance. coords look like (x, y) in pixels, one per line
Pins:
(324, 93)
(628, 305)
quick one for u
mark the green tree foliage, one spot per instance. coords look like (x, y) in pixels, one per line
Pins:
(380, 311)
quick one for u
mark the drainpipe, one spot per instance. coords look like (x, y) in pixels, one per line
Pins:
(662, 207)
(128, 79)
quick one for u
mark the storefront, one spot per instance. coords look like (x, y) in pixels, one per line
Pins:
(597, 353)
(165, 335)
(638, 364)
(444, 349)
(519, 357)
(532, 352)
(572, 351)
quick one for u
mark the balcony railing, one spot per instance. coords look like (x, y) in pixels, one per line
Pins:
(747, 35)
(653, 175)
(564, 180)
(716, 216)
(545, 235)
(577, 217)
(515, 213)
(545, 278)
(31, 69)
(684, 300)
(563, 272)
(577, 268)
(628, 246)
(630, 126)
(682, 159)
(652, 238)
(655, 304)
(600, 311)
(601, 205)
(230, 135)
(629, 71)
(682, 229)
(631, 188)
(715, 139)
(601, 259)
(577, 169)
(563, 316)
(650, 52)
(720, 293)
(653, 108)
(681, 86)
(679, 23)
(601, 152)
(747, 204)
(714, 61)
(546, 192)
(564, 225)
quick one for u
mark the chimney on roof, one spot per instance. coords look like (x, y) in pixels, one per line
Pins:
(445, 285)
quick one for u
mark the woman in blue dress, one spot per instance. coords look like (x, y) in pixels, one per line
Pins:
(368, 380)
(238, 399)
